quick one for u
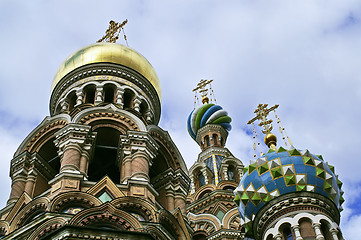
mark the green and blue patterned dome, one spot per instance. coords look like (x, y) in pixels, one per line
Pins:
(207, 114)
(281, 172)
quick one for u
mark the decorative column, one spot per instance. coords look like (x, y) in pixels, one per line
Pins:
(18, 174)
(225, 172)
(64, 106)
(85, 155)
(204, 172)
(193, 188)
(99, 95)
(137, 103)
(79, 97)
(138, 148)
(296, 230)
(30, 182)
(170, 198)
(278, 237)
(70, 141)
(334, 233)
(316, 227)
(119, 97)
(180, 202)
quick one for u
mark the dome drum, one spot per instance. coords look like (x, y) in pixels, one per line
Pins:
(99, 75)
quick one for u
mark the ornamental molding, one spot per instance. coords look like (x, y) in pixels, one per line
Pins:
(106, 69)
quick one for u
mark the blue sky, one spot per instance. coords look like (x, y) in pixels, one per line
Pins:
(304, 55)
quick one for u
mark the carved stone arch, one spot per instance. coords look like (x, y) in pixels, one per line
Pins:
(68, 199)
(29, 211)
(170, 149)
(156, 233)
(204, 222)
(106, 215)
(109, 112)
(225, 185)
(203, 190)
(37, 137)
(4, 228)
(170, 223)
(47, 227)
(138, 205)
(230, 218)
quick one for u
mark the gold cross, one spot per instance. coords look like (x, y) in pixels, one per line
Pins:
(201, 88)
(112, 33)
(261, 114)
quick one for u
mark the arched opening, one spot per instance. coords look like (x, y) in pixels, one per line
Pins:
(201, 180)
(306, 229)
(49, 152)
(89, 94)
(269, 237)
(230, 173)
(206, 140)
(222, 142)
(199, 235)
(215, 139)
(204, 193)
(143, 108)
(286, 231)
(229, 188)
(128, 99)
(325, 229)
(105, 157)
(71, 100)
(109, 93)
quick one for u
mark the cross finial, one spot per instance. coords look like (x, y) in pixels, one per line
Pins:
(112, 33)
(203, 90)
(261, 114)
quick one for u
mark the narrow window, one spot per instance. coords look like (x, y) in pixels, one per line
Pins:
(128, 99)
(109, 93)
(89, 94)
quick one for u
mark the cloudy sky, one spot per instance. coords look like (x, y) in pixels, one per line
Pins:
(304, 55)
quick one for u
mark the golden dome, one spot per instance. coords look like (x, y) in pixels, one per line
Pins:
(109, 52)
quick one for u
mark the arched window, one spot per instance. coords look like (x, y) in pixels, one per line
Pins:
(71, 100)
(199, 235)
(89, 94)
(143, 108)
(128, 99)
(325, 229)
(287, 233)
(105, 157)
(270, 237)
(306, 229)
(215, 139)
(201, 180)
(230, 173)
(109, 93)
(206, 139)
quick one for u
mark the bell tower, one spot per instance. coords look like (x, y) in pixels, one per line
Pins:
(216, 172)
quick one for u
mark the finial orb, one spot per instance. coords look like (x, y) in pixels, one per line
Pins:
(270, 139)
(205, 100)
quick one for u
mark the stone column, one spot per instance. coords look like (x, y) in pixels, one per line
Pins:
(119, 97)
(140, 165)
(84, 159)
(79, 98)
(170, 199)
(30, 182)
(278, 237)
(180, 202)
(225, 172)
(334, 233)
(17, 187)
(137, 103)
(70, 140)
(204, 172)
(193, 188)
(99, 95)
(296, 230)
(316, 227)
(64, 106)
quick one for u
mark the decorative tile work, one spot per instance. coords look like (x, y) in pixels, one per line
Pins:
(282, 172)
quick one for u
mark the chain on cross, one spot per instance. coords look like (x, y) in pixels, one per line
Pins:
(112, 33)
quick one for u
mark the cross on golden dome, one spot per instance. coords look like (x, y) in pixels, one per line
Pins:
(113, 31)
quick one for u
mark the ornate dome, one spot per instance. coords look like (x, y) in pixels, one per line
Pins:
(207, 114)
(109, 52)
(282, 172)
